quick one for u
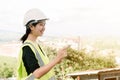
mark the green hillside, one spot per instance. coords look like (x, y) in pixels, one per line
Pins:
(7, 66)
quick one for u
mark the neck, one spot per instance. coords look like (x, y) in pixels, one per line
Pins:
(32, 37)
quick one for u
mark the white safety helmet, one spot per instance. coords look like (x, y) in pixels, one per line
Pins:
(34, 14)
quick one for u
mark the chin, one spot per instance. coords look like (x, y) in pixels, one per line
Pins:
(40, 34)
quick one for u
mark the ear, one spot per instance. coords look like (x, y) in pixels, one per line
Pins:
(31, 27)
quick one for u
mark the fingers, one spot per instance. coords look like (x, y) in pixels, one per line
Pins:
(65, 50)
(65, 54)
(66, 47)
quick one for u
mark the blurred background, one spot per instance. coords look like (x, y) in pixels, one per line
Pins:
(86, 25)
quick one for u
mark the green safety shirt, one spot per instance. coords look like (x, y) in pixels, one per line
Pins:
(42, 60)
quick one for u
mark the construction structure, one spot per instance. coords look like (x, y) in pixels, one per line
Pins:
(103, 74)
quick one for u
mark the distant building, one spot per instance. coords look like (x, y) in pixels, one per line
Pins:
(58, 42)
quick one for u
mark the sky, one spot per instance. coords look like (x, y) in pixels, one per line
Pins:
(67, 17)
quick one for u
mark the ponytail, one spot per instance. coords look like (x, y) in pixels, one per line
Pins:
(28, 30)
(24, 37)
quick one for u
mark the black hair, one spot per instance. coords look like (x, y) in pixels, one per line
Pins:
(28, 30)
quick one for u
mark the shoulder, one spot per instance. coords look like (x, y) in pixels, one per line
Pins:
(27, 53)
(28, 47)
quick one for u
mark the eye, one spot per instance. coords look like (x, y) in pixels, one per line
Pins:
(42, 24)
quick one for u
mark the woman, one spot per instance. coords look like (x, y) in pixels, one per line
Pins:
(33, 63)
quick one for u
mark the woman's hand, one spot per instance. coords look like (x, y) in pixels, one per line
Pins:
(38, 73)
(62, 53)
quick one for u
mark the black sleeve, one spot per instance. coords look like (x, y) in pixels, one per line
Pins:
(29, 59)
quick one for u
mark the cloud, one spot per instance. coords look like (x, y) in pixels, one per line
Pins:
(66, 16)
